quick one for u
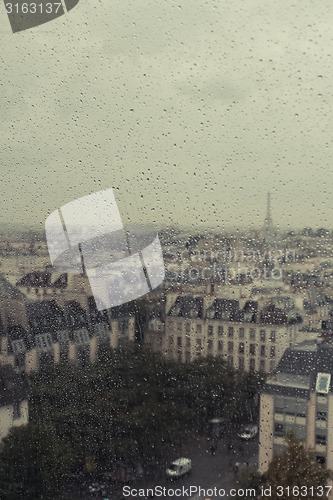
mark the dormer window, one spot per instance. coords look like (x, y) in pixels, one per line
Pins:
(18, 346)
(211, 313)
(81, 337)
(323, 383)
(44, 342)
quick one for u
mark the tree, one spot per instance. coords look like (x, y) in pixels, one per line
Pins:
(295, 467)
(34, 463)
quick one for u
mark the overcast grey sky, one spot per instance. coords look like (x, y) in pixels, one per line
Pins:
(191, 110)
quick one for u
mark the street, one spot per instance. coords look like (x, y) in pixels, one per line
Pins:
(209, 471)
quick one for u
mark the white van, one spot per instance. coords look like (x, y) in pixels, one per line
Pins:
(249, 432)
(179, 468)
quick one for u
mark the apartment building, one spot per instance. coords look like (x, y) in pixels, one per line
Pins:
(70, 333)
(298, 399)
(60, 324)
(248, 336)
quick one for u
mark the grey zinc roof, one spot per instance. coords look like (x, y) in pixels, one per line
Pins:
(297, 361)
(226, 309)
(187, 307)
(298, 364)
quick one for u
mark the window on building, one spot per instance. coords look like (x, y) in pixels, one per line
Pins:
(262, 335)
(44, 342)
(321, 459)
(272, 336)
(262, 365)
(179, 341)
(188, 328)
(63, 336)
(188, 356)
(273, 352)
(19, 361)
(81, 337)
(199, 328)
(230, 346)
(262, 350)
(230, 360)
(188, 342)
(83, 355)
(210, 330)
(220, 330)
(321, 439)
(179, 356)
(321, 415)
(278, 429)
(241, 347)
(123, 326)
(272, 365)
(230, 332)
(18, 346)
(241, 363)
(210, 345)
(16, 410)
(252, 334)
(179, 327)
(252, 365)
(290, 406)
(63, 352)
(252, 349)
(220, 345)
(241, 333)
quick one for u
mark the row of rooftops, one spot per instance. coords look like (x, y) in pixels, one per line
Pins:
(48, 316)
(230, 310)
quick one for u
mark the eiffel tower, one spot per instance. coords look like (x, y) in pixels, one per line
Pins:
(268, 223)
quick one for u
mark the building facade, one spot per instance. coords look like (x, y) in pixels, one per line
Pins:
(298, 399)
(60, 325)
(250, 338)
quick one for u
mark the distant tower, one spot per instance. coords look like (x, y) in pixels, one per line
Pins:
(268, 223)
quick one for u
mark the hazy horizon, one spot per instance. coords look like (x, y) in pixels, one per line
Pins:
(191, 113)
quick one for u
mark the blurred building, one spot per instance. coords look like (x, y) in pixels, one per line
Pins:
(249, 335)
(298, 399)
(59, 323)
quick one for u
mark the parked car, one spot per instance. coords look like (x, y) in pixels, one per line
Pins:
(248, 432)
(179, 468)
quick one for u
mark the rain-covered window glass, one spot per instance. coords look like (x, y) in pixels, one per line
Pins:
(166, 247)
